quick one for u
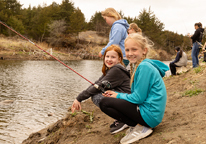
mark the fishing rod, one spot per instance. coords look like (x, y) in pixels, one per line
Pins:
(105, 84)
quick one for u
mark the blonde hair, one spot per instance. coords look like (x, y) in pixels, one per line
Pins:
(111, 12)
(115, 48)
(135, 28)
(143, 42)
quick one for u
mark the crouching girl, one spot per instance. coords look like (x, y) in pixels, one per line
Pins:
(113, 71)
(144, 108)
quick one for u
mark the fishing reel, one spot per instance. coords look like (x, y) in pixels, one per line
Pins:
(105, 85)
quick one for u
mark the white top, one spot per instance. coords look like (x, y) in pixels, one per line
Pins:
(183, 60)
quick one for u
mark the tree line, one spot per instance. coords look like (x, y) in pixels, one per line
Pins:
(59, 24)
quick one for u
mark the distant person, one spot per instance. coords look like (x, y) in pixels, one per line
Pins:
(144, 108)
(133, 28)
(196, 40)
(118, 31)
(114, 72)
(180, 60)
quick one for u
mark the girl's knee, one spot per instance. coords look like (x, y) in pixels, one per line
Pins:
(96, 99)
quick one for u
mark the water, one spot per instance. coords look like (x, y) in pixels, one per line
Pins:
(39, 88)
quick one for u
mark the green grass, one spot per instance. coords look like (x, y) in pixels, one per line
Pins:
(192, 82)
(198, 69)
(191, 93)
(119, 135)
(88, 127)
(91, 115)
(73, 114)
(20, 52)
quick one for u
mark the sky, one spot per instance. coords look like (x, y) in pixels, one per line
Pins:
(176, 15)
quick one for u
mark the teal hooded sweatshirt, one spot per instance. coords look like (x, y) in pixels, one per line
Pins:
(148, 91)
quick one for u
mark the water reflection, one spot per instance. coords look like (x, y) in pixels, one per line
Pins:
(39, 88)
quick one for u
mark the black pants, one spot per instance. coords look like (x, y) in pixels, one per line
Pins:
(173, 68)
(122, 110)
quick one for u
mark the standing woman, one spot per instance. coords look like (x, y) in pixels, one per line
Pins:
(118, 31)
(196, 40)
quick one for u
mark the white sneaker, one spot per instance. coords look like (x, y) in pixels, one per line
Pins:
(129, 130)
(136, 133)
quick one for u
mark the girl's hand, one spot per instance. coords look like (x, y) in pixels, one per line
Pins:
(110, 94)
(100, 54)
(76, 106)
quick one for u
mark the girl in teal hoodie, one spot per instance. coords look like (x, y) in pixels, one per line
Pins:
(144, 108)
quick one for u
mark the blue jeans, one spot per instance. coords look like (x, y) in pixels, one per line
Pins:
(97, 98)
(195, 53)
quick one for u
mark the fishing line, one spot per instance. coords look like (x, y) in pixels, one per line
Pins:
(96, 86)
(184, 23)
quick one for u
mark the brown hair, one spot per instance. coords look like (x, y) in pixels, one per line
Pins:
(135, 28)
(119, 52)
(111, 12)
(199, 24)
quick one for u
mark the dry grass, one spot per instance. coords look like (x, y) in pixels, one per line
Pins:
(92, 37)
(20, 49)
(89, 50)
(17, 44)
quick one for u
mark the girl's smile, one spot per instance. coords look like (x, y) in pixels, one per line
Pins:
(133, 51)
(111, 58)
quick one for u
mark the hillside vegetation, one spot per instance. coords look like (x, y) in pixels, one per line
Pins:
(16, 48)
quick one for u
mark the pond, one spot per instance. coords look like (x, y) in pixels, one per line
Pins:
(39, 88)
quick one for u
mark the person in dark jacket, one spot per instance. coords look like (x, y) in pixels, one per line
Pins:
(196, 40)
(113, 71)
(180, 60)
